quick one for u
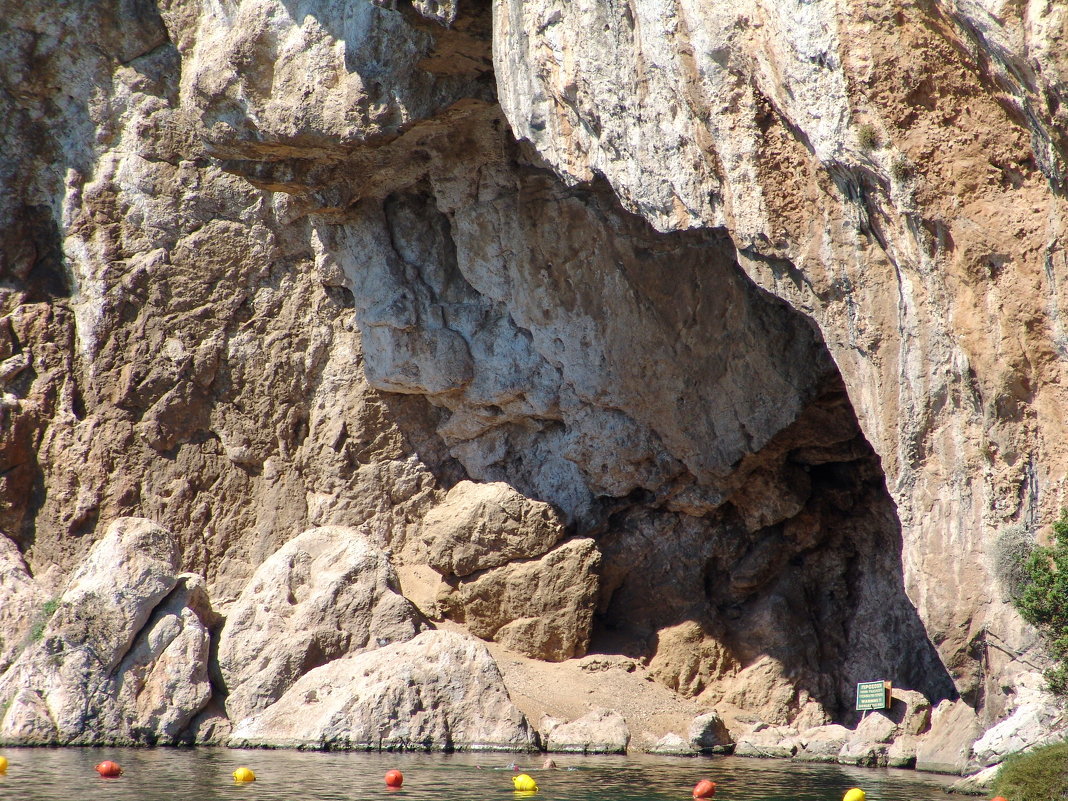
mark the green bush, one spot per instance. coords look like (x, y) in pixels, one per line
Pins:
(40, 621)
(1043, 600)
(1039, 775)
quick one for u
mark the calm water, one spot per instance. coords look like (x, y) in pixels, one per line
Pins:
(41, 774)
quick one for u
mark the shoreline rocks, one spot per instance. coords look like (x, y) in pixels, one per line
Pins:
(438, 691)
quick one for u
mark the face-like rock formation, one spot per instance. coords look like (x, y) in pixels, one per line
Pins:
(744, 317)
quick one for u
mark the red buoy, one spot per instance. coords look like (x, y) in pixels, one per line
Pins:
(394, 778)
(704, 789)
(108, 769)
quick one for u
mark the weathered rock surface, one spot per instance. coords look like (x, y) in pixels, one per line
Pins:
(439, 690)
(765, 741)
(322, 595)
(22, 604)
(123, 658)
(708, 733)
(479, 526)
(163, 682)
(672, 744)
(542, 608)
(878, 121)
(947, 747)
(1031, 724)
(601, 731)
(822, 743)
(243, 303)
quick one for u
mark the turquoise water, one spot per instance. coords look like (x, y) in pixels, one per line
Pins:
(43, 774)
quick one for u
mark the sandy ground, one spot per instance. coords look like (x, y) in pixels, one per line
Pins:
(568, 690)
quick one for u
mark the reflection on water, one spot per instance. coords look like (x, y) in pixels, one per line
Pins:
(42, 774)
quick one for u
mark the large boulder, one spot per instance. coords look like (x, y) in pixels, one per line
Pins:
(708, 733)
(479, 526)
(441, 690)
(123, 657)
(946, 747)
(542, 608)
(821, 743)
(322, 595)
(601, 731)
(672, 744)
(163, 682)
(1030, 724)
(910, 710)
(762, 740)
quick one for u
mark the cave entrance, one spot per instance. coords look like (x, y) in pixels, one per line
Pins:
(693, 425)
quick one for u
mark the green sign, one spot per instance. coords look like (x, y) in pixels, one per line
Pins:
(873, 695)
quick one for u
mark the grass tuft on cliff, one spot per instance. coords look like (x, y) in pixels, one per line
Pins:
(1039, 775)
(1043, 601)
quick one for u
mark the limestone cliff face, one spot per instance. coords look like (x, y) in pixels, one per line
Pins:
(750, 311)
(896, 171)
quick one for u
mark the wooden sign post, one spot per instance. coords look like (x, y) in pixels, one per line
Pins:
(873, 695)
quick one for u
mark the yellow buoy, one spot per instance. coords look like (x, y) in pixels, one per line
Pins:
(524, 783)
(244, 775)
(3, 764)
(856, 794)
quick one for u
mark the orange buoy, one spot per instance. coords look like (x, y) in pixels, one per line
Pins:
(394, 778)
(108, 769)
(999, 798)
(704, 789)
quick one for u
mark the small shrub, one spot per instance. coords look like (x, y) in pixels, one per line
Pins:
(1011, 552)
(48, 608)
(1039, 775)
(868, 137)
(900, 169)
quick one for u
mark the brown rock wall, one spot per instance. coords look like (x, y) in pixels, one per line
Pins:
(264, 271)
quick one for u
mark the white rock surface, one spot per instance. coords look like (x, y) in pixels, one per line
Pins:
(767, 741)
(821, 743)
(672, 744)
(708, 733)
(163, 682)
(22, 603)
(322, 595)
(440, 690)
(124, 657)
(601, 731)
(1029, 725)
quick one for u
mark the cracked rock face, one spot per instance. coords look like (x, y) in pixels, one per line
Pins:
(439, 690)
(868, 174)
(723, 335)
(123, 657)
(323, 594)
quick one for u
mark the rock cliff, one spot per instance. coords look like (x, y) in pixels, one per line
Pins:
(724, 337)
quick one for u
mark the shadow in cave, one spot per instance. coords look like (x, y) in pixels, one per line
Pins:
(803, 608)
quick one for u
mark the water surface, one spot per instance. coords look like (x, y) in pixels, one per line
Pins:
(204, 774)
